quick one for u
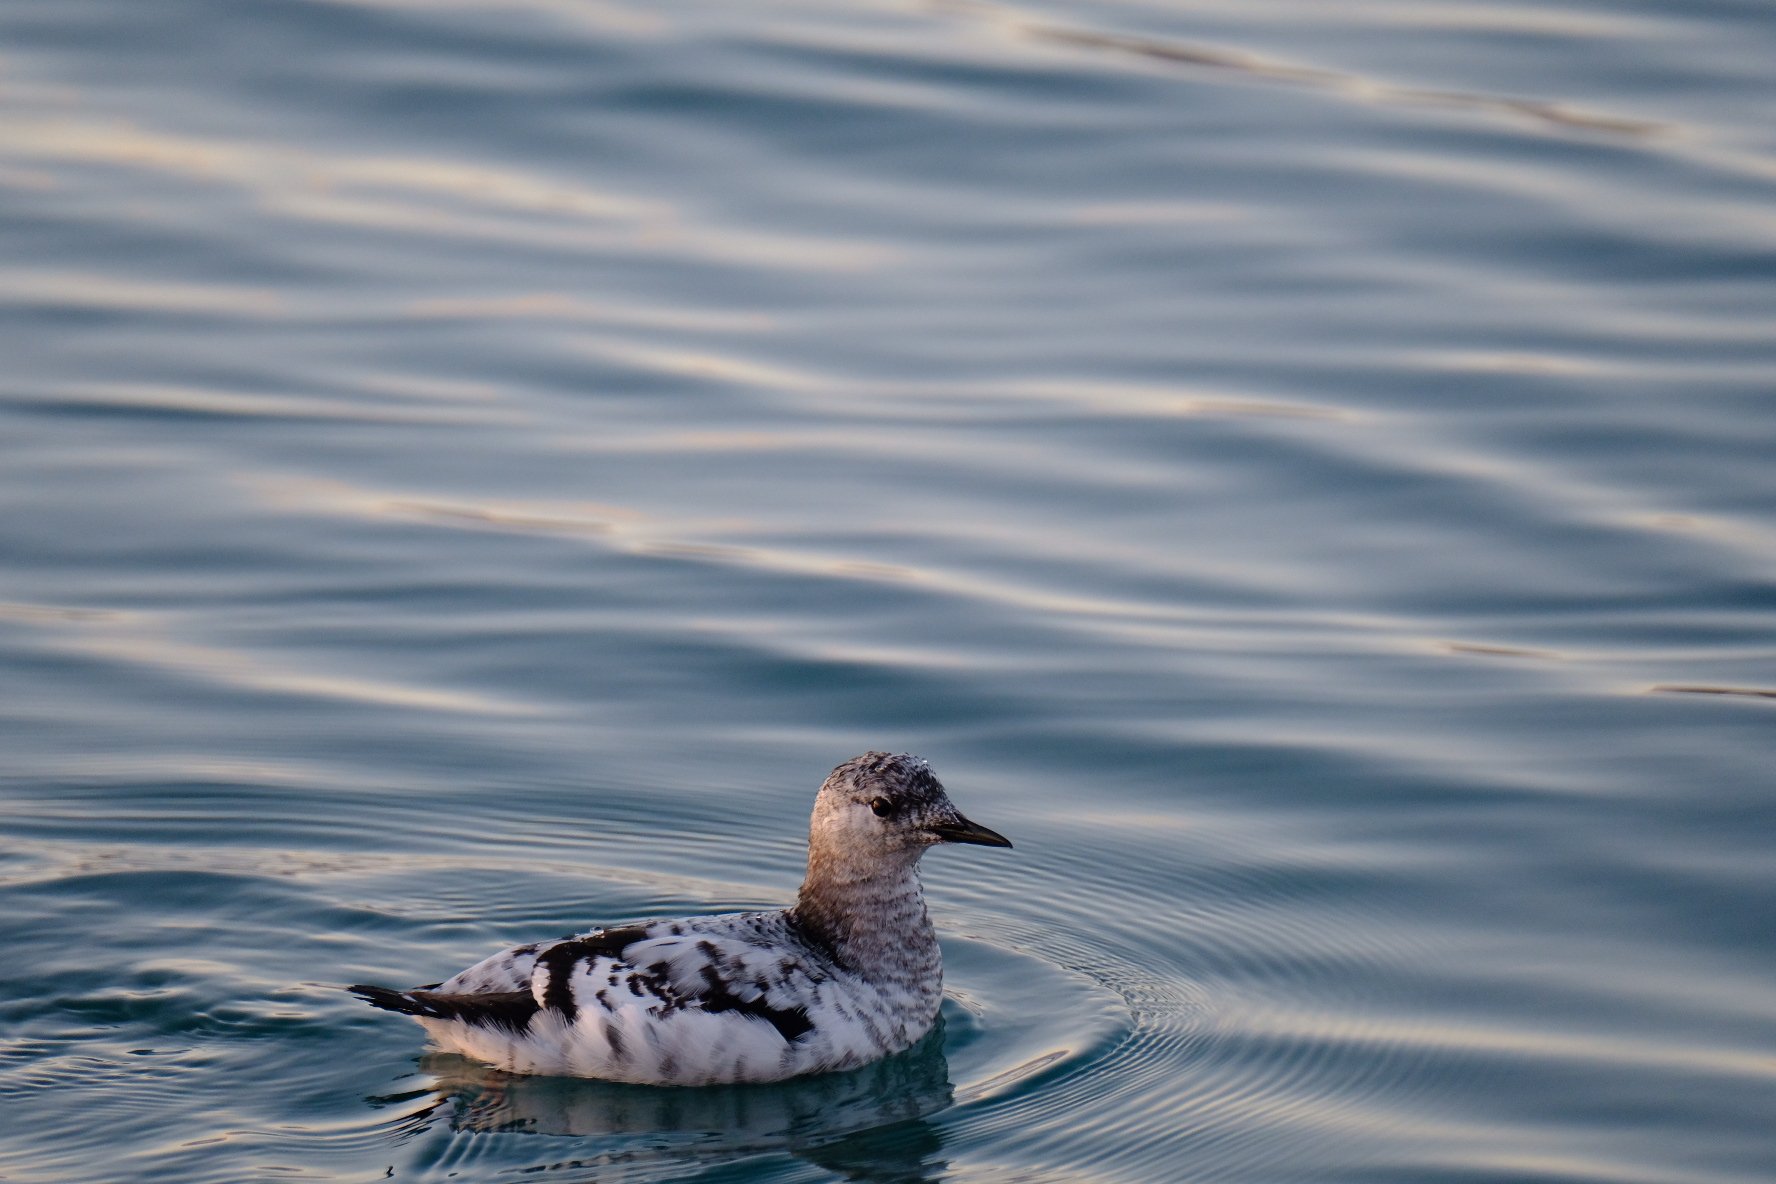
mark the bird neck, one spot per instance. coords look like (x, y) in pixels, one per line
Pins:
(870, 913)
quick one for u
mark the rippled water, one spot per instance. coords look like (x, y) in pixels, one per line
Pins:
(473, 466)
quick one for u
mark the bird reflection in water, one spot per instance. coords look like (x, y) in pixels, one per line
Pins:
(866, 1125)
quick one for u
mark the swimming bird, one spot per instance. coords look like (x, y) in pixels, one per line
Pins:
(851, 974)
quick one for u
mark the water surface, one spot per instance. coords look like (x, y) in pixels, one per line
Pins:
(1303, 472)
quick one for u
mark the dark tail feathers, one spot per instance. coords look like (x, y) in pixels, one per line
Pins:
(510, 1010)
(392, 1000)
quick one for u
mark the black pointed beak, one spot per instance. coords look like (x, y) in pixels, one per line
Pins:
(964, 831)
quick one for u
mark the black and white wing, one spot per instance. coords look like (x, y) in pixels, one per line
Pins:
(730, 998)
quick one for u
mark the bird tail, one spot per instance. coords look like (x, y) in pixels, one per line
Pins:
(390, 1000)
(510, 1010)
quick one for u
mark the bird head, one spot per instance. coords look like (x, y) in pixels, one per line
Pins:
(883, 805)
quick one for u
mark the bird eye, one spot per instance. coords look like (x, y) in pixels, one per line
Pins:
(883, 807)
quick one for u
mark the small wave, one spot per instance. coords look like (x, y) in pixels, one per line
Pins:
(1680, 689)
(1256, 66)
(88, 292)
(142, 639)
(135, 399)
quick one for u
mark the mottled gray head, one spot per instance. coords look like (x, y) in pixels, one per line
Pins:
(881, 804)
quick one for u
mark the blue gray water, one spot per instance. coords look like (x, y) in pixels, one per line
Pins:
(1303, 471)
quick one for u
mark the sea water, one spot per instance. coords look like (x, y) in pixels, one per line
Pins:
(1304, 472)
